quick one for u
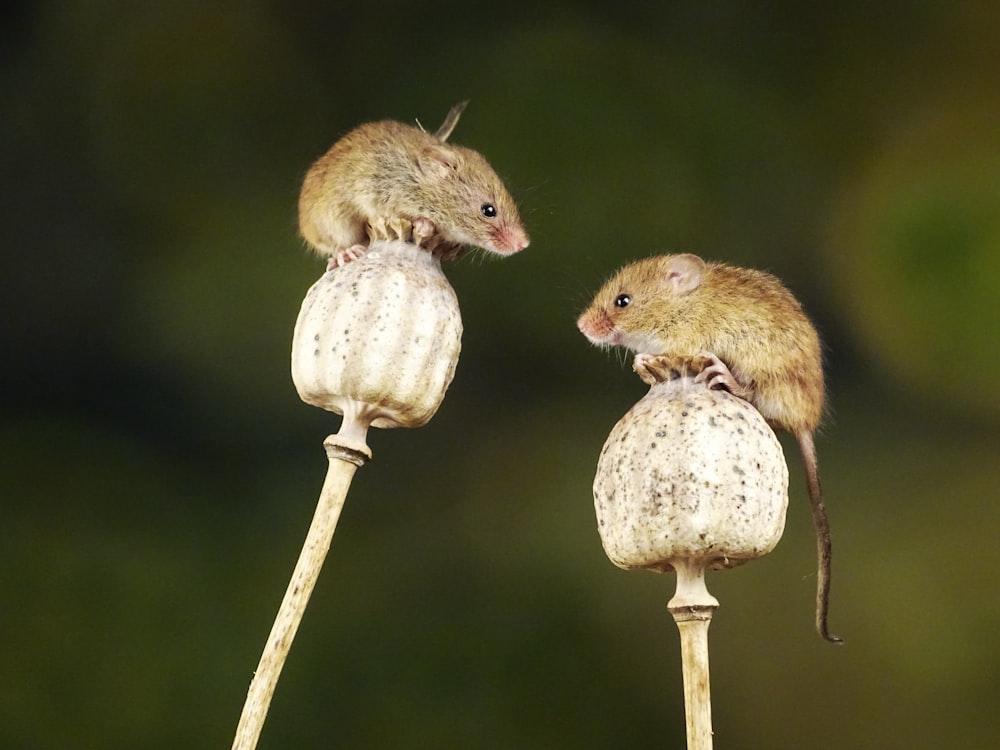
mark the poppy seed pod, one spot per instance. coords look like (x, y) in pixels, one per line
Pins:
(376, 340)
(689, 479)
(380, 335)
(690, 474)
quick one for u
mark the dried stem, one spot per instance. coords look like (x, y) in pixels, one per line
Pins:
(346, 451)
(692, 608)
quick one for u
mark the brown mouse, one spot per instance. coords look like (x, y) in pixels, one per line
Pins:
(762, 347)
(389, 174)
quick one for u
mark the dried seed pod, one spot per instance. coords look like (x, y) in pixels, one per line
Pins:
(690, 478)
(380, 336)
(376, 340)
(690, 473)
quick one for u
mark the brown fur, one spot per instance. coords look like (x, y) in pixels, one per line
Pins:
(386, 171)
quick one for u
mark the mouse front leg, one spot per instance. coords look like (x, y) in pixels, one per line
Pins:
(717, 375)
(423, 230)
(645, 366)
(397, 228)
(659, 368)
(425, 235)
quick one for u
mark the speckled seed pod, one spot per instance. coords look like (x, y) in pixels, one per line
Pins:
(382, 333)
(690, 473)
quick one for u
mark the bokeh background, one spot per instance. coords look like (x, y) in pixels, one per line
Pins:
(158, 472)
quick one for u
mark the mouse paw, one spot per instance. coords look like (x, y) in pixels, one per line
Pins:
(354, 252)
(378, 230)
(398, 229)
(644, 365)
(717, 375)
(660, 368)
(423, 230)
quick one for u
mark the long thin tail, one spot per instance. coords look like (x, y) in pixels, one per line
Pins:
(824, 545)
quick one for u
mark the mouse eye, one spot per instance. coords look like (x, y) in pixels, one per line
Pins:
(488, 210)
(623, 300)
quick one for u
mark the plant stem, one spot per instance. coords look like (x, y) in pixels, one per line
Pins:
(346, 452)
(692, 608)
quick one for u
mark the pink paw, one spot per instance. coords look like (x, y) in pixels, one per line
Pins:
(423, 229)
(354, 252)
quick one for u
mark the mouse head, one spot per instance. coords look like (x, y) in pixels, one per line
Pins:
(468, 202)
(640, 302)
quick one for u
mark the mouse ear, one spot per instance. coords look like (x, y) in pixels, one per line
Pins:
(437, 161)
(684, 273)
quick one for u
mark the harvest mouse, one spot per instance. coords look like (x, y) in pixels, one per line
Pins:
(760, 344)
(390, 175)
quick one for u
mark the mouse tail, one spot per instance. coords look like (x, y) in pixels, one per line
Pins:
(824, 546)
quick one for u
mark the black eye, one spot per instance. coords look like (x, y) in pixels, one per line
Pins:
(623, 300)
(489, 210)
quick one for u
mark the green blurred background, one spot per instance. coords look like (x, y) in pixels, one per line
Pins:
(158, 472)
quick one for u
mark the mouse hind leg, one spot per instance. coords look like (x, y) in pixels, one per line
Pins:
(718, 375)
(342, 258)
(339, 240)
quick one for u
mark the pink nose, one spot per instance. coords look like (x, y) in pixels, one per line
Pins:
(514, 239)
